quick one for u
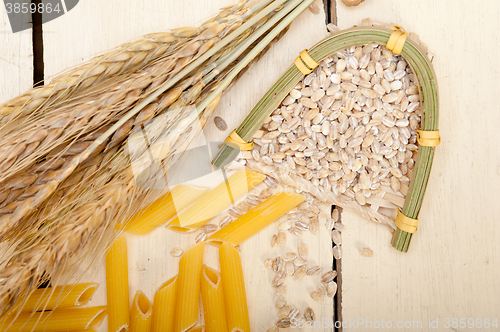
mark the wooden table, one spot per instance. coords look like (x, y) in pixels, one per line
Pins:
(452, 266)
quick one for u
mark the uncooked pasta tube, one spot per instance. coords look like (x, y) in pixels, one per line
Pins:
(117, 286)
(197, 329)
(140, 314)
(256, 219)
(65, 319)
(188, 288)
(164, 208)
(162, 319)
(60, 297)
(234, 289)
(216, 200)
(213, 301)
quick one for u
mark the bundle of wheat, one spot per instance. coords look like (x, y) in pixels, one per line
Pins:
(68, 169)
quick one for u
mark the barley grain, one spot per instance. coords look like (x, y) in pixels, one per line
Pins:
(316, 296)
(176, 252)
(328, 276)
(331, 289)
(366, 252)
(312, 271)
(284, 311)
(280, 302)
(201, 237)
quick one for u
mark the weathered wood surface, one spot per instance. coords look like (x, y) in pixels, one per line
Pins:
(452, 267)
(16, 60)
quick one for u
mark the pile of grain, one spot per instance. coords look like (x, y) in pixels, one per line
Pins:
(347, 131)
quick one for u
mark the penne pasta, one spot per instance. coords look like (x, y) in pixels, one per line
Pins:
(256, 219)
(117, 286)
(188, 288)
(197, 329)
(233, 287)
(140, 314)
(164, 208)
(60, 297)
(216, 200)
(213, 301)
(162, 319)
(64, 319)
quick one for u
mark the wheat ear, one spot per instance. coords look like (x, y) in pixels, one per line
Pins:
(127, 57)
(29, 189)
(113, 202)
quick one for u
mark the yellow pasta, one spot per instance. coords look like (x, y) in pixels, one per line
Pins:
(117, 286)
(140, 314)
(197, 329)
(256, 219)
(60, 297)
(216, 200)
(162, 319)
(233, 286)
(188, 288)
(213, 301)
(64, 319)
(164, 208)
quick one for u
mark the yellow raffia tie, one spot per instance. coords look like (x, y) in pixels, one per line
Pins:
(397, 39)
(305, 63)
(236, 139)
(405, 223)
(428, 138)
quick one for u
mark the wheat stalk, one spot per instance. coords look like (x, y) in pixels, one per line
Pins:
(85, 220)
(43, 177)
(125, 58)
(30, 189)
(20, 150)
(85, 115)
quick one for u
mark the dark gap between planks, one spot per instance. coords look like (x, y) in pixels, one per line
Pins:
(37, 39)
(38, 67)
(330, 7)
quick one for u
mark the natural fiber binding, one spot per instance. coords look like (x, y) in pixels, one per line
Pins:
(428, 138)
(397, 39)
(305, 63)
(405, 223)
(235, 139)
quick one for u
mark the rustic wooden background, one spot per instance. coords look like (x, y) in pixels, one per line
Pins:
(452, 267)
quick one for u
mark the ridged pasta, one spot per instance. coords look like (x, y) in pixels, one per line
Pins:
(234, 288)
(163, 316)
(256, 219)
(188, 288)
(65, 319)
(216, 200)
(117, 286)
(164, 208)
(140, 314)
(61, 297)
(212, 296)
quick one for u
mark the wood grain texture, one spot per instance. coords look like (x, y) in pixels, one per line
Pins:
(453, 262)
(95, 26)
(16, 59)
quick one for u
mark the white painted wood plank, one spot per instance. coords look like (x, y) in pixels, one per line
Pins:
(452, 266)
(95, 26)
(16, 60)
